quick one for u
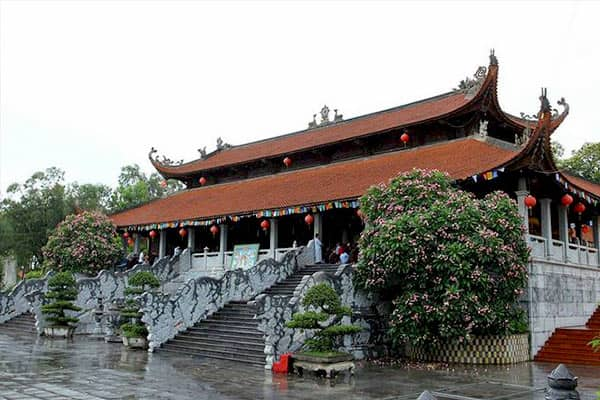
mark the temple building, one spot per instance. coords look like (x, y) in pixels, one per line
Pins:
(279, 192)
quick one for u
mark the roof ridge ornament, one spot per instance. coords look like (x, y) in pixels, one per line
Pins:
(325, 118)
(493, 59)
(164, 161)
(470, 86)
(222, 145)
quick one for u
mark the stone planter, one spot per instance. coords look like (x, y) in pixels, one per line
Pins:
(330, 365)
(135, 342)
(509, 349)
(59, 331)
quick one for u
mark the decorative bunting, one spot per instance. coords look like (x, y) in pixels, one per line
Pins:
(489, 175)
(258, 214)
(579, 193)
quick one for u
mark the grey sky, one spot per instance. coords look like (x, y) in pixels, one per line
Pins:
(90, 86)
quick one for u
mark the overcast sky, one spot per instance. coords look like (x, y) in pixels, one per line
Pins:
(91, 86)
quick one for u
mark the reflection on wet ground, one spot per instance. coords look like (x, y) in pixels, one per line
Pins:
(83, 368)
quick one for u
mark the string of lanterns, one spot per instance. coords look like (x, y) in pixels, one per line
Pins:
(566, 200)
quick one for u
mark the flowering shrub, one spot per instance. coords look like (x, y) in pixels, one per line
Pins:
(453, 265)
(85, 242)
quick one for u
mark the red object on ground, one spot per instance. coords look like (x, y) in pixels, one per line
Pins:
(309, 219)
(283, 365)
(182, 232)
(530, 201)
(287, 161)
(264, 225)
(566, 200)
(579, 208)
(152, 234)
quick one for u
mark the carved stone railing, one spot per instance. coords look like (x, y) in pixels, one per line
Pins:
(107, 286)
(166, 315)
(569, 253)
(14, 302)
(273, 311)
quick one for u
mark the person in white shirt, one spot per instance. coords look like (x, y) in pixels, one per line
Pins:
(318, 249)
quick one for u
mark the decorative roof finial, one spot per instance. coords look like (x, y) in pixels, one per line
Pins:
(325, 118)
(545, 104)
(493, 59)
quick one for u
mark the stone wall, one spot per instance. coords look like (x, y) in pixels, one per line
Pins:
(273, 311)
(14, 302)
(559, 295)
(494, 350)
(165, 315)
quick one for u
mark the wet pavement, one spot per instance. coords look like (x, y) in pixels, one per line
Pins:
(83, 368)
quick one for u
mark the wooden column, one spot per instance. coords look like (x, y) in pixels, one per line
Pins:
(273, 237)
(222, 242)
(546, 215)
(162, 244)
(191, 238)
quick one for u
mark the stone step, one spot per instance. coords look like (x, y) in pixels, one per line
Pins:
(225, 329)
(227, 323)
(232, 317)
(225, 352)
(257, 337)
(216, 344)
(254, 361)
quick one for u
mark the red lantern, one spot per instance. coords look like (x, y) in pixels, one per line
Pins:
(287, 161)
(530, 201)
(579, 208)
(182, 232)
(214, 230)
(264, 225)
(566, 200)
(202, 181)
(309, 219)
(585, 228)
(163, 184)
(152, 234)
(126, 235)
(130, 242)
(405, 138)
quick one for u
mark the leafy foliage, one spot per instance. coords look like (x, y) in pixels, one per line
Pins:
(35, 274)
(453, 265)
(322, 297)
(584, 162)
(62, 291)
(136, 285)
(85, 242)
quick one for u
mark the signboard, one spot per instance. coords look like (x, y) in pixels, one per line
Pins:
(244, 256)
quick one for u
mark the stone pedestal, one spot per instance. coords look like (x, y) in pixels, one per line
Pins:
(330, 365)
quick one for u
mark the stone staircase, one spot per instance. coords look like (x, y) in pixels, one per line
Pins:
(23, 324)
(232, 333)
(569, 345)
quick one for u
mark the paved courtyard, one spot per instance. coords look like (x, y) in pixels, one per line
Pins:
(34, 368)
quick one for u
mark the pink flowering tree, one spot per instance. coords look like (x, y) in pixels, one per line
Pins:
(452, 265)
(85, 242)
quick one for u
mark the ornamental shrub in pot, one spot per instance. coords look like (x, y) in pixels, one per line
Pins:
(323, 315)
(62, 291)
(134, 331)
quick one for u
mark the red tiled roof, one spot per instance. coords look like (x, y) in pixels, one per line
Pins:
(343, 180)
(356, 127)
(583, 184)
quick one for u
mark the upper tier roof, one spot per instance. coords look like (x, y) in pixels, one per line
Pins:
(338, 181)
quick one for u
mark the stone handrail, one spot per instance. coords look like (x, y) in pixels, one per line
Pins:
(166, 315)
(273, 311)
(107, 286)
(14, 302)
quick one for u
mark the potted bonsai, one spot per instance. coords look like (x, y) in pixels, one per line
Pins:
(134, 332)
(62, 291)
(323, 315)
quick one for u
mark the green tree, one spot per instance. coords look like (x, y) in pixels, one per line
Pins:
(62, 291)
(85, 242)
(137, 284)
(88, 197)
(584, 162)
(30, 212)
(136, 188)
(453, 265)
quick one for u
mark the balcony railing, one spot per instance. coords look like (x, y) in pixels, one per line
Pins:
(215, 260)
(557, 250)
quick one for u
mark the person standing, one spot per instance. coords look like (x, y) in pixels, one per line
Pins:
(318, 249)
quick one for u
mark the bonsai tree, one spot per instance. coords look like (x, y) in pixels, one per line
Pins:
(452, 265)
(62, 291)
(86, 242)
(138, 283)
(323, 304)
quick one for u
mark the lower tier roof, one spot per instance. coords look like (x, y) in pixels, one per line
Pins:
(460, 158)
